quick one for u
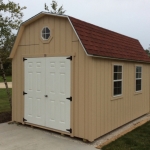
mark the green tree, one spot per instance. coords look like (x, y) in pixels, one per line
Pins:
(10, 19)
(54, 5)
(148, 51)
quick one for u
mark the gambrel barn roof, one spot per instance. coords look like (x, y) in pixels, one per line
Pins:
(99, 42)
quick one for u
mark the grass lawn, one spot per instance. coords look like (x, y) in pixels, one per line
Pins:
(138, 139)
(8, 79)
(4, 103)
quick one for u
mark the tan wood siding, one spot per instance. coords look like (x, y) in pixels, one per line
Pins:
(94, 110)
(110, 113)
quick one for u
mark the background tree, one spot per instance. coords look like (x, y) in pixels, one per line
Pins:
(148, 51)
(54, 5)
(10, 19)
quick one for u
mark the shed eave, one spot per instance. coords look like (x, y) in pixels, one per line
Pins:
(139, 61)
(39, 15)
(78, 37)
(18, 37)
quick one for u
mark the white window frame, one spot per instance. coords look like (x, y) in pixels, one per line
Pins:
(118, 79)
(46, 33)
(138, 78)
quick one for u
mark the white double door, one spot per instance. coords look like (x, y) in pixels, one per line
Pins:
(47, 84)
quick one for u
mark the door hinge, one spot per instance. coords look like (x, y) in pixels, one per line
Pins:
(24, 120)
(69, 58)
(70, 130)
(24, 93)
(69, 98)
(24, 59)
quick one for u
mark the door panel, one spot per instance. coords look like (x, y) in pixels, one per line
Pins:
(48, 76)
(34, 87)
(58, 89)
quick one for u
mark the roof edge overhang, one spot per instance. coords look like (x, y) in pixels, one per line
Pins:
(78, 38)
(39, 15)
(120, 59)
(19, 34)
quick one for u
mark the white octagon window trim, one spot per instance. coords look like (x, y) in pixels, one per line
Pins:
(46, 41)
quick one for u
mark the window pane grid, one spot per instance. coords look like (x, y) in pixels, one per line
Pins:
(45, 33)
(138, 78)
(117, 80)
(117, 76)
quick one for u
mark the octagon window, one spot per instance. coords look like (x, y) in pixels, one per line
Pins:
(45, 33)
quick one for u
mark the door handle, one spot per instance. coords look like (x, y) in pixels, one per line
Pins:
(46, 95)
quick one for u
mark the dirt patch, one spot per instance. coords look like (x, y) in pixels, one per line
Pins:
(5, 117)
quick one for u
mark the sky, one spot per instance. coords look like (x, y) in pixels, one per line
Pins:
(127, 17)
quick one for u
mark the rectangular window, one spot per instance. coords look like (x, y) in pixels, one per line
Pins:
(117, 81)
(138, 78)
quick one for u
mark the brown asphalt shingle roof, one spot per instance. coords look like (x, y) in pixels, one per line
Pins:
(102, 42)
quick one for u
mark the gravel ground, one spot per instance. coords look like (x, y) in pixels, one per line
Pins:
(2, 85)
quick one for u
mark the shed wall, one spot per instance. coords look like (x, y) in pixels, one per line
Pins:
(93, 110)
(63, 43)
(109, 113)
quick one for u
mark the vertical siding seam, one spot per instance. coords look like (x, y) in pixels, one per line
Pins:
(87, 110)
(45, 61)
(104, 98)
(34, 40)
(100, 68)
(84, 97)
(129, 103)
(59, 48)
(13, 92)
(29, 39)
(91, 99)
(54, 33)
(96, 100)
(21, 86)
(78, 89)
(65, 36)
(74, 90)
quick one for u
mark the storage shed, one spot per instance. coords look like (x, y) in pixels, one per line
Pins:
(76, 78)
